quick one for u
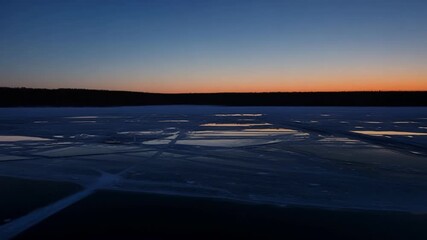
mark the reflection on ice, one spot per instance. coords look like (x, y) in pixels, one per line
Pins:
(238, 138)
(10, 158)
(141, 132)
(93, 149)
(174, 121)
(263, 132)
(4, 138)
(404, 122)
(81, 136)
(157, 142)
(82, 117)
(392, 133)
(339, 140)
(276, 130)
(40, 122)
(225, 142)
(234, 124)
(239, 115)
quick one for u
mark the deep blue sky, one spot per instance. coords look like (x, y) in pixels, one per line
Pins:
(207, 45)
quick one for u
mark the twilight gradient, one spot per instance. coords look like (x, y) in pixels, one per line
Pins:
(214, 45)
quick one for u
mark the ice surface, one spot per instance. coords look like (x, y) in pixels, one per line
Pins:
(83, 117)
(239, 115)
(11, 138)
(396, 133)
(325, 156)
(225, 142)
(404, 122)
(83, 121)
(234, 124)
(10, 158)
(174, 121)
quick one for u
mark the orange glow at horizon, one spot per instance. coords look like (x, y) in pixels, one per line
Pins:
(253, 82)
(284, 84)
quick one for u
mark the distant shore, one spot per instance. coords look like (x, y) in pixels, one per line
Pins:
(32, 97)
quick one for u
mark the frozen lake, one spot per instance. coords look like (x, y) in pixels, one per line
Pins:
(357, 158)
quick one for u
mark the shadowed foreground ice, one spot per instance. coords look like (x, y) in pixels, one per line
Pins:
(358, 158)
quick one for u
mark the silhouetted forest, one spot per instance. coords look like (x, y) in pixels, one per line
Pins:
(14, 97)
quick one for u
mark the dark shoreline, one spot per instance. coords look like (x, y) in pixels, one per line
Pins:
(126, 215)
(29, 97)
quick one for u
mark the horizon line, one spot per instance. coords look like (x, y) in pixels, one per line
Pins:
(231, 92)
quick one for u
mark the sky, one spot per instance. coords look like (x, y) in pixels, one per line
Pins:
(174, 46)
